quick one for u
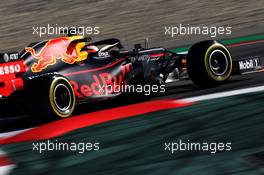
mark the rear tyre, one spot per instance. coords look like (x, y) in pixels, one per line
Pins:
(209, 64)
(51, 97)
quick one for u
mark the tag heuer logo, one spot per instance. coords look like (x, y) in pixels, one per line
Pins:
(6, 57)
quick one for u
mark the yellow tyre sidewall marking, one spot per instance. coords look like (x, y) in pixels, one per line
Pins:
(51, 95)
(206, 62)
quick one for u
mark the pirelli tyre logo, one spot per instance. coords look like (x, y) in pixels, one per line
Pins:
(249, 64)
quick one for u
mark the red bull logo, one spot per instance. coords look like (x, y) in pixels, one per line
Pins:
(57, 49)
(102, 84)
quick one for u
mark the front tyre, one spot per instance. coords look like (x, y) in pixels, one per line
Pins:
(209, 64)
(51, 97)
(61, 97)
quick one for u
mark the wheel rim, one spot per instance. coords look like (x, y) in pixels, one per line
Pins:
(62, 98)
(218, 62)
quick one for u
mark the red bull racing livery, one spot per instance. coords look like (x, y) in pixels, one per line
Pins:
(51, 77)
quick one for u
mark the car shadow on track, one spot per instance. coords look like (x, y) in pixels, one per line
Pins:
(13, 117)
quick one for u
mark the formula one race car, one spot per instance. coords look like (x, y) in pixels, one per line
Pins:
(51, 77)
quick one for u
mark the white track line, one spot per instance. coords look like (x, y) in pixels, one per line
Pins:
(2, 153)
(6, 169)
(191, 99)
(12, 133)
(224, 94)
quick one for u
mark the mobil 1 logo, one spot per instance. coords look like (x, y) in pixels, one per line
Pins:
(249, 64)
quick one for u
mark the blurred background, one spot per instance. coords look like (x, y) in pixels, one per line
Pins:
(131, 21)
(135, 146)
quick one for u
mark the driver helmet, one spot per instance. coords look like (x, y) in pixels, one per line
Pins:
(92, 49)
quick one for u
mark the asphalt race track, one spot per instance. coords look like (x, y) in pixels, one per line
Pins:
(136, 145)
(176, 90)
(186, 89)
(134, 131)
